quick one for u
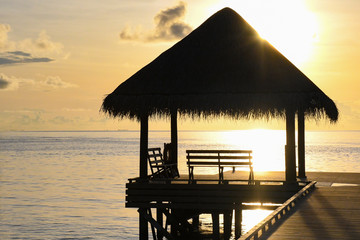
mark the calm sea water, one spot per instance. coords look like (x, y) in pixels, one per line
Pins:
(71, 185)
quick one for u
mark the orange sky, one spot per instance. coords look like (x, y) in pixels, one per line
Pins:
(58, 59)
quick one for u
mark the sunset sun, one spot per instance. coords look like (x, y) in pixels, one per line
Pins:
(288, 25)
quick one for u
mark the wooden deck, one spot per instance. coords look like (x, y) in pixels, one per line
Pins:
(328, 213)
(181, 199)
(331, 211)
(205, 193)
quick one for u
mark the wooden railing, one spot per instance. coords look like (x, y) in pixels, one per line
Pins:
(264, 226)
(184, 180)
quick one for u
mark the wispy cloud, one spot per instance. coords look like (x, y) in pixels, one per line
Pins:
(9, 83)
(28, 50)
(169, 25)
(76, 110)
(18, 57)
(43, 44)
(4, 29)
(56, 82)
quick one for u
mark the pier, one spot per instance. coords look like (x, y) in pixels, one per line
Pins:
(330, 211)
(178, 200)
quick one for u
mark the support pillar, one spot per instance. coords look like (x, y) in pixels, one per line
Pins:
(301, 145)
(196, 222)
(174, 137)
(227, 224)
(290, 155)
(238, 220)
(159, 219)
(216, 225)
(144, 131)
(144, 136)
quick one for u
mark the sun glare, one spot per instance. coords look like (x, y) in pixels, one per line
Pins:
(267, 146)
(288, 25)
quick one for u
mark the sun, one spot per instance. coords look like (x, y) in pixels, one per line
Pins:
(288, 25)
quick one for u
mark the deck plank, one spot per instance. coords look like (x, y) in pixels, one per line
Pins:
(328, 213)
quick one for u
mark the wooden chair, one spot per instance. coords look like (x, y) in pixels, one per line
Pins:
(159, 167)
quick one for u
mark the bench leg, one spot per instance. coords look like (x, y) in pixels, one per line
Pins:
(191, 174)
(221, 174)
(251, 176)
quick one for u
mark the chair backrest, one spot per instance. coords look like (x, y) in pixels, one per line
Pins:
(159, 167)
(156, 161)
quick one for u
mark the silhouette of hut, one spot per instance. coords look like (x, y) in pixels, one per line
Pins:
(222, 68)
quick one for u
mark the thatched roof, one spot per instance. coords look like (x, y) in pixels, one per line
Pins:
(221, 68)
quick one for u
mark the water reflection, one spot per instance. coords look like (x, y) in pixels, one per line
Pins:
(249, 219)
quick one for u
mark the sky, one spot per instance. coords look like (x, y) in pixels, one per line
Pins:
(59, 59)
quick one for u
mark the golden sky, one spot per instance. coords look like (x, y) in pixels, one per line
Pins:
(58, 59)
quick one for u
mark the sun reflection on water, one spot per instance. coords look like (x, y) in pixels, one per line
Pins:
(249, 219)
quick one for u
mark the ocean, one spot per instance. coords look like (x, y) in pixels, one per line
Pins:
(71, 185)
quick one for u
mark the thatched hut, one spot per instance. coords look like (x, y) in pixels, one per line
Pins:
(222, 68)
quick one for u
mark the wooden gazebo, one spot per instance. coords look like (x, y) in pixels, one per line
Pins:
(222, 68)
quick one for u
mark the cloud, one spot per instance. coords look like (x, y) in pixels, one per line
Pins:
(4, 29)
(8, 83)
(18, 57)
(42, 44)
(76, 110)
(13, 83)
(26, 118)
(169, 26)
(60, 120)
(20, 53)
(28, 50)
(56, 82)
(4, 83)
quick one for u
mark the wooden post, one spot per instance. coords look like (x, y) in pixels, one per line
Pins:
(301, 145)
(159, 219)
(238, 220)
(174, 137)
(144, 134)
(227, 224)
(216, 225)
(174, 227)
(196, 222)
(144, 127)
(143, 225)
(290, 157)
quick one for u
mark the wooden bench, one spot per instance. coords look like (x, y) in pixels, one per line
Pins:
(219, 159)
(159, 167)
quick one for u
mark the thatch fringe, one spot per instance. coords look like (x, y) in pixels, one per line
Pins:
(234, 106)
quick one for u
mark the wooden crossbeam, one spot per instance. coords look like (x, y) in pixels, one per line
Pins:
(156, 225)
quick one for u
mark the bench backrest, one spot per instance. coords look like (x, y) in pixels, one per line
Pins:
(219, 157)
